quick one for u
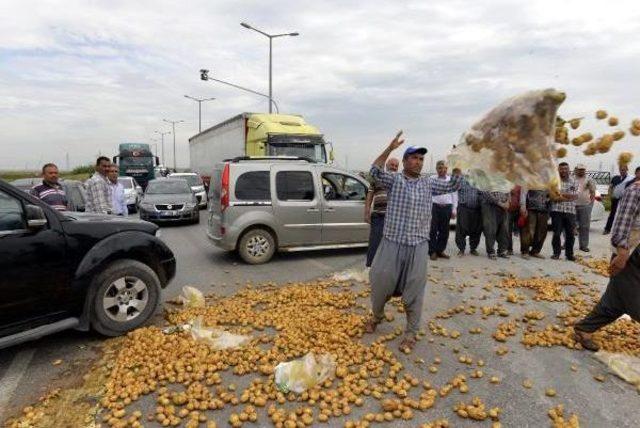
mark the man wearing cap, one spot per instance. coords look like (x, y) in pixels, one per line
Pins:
(400, 265)
(622, 295)
(584, 205)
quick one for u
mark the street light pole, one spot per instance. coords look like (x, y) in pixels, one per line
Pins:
(271, 37)
(173, 124)
(204, 75)
(162, 134)
(199, 101)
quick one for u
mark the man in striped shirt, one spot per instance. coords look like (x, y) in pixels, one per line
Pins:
(50, 191)
(563, 214)
(622, 295)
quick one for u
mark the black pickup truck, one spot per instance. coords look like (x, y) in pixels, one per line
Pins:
(61, 270)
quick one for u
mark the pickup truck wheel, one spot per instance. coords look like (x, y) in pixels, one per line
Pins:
(127, 293)
(257, 246)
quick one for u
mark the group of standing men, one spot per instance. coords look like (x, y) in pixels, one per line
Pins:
(103, 194)
(498, 216)
(405, 207)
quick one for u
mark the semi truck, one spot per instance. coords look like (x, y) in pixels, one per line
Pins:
(256, 134)
(136, 160)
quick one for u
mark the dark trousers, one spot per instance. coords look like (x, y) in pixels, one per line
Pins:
(439, 234)
(612, 214)
(495, 227)
(534, 233)
(375, 236)
(563, 223)
(512, 228)
(622, 296)
(468, 223)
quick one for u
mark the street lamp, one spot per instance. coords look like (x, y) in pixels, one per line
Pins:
(204, 75)
(271, 37)
(199, 101)
(173, 123)
(162, 134)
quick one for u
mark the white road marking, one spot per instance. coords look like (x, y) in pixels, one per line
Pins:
(13, 376)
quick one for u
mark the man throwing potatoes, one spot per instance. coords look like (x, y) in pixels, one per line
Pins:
(400, 265)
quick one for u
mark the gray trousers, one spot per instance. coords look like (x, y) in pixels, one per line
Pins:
(399, 270)
(583, 220)
(622, 296)
(468, 223)
(495, 225)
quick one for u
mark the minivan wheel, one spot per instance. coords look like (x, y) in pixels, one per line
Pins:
(257, 246)
(126, 295)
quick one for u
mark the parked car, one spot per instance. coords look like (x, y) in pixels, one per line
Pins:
(169, 200)
(75, 190)
(64, 270)
(260, 206)
(196, 184)
(132, 192)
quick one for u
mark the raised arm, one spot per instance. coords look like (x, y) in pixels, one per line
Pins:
(377, 169)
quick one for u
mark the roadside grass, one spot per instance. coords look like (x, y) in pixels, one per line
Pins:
(15, 175)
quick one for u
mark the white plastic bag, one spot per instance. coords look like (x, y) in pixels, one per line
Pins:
(304, 373)
(624, 366)
(217, 338)
(512, 144)
(192, 297)
(357, 275)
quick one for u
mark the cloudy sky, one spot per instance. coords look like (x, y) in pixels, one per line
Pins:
(80, 77)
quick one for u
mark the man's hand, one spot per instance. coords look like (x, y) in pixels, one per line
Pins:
(454, 214)
(523, 212)
(619, 262)
(504, 206)
(396, 142)
(367, 216)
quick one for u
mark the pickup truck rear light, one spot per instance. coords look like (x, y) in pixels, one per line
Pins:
(224, 191)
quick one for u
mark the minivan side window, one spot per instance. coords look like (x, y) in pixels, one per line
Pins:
(340, 187)
(253, 186)
(11, 215)
(295, 186)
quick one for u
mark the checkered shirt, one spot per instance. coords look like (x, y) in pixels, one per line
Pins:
(468, 195)
(568, 207)
(495, 198)
(627, 217)
(99, 198)
(409, 201)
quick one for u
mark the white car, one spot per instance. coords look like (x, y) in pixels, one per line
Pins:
(196, 184)
(132, 192)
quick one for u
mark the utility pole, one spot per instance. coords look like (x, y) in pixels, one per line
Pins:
(199, 101)
(162, 134)
(173, 124)
(271, 37)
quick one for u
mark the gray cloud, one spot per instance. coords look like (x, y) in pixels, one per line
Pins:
(82, 77)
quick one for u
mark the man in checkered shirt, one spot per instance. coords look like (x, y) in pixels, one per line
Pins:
(563, 214)
(622, 295)
(400, 265)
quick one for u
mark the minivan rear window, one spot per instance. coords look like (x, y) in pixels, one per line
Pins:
(294, 186)
(253, 186)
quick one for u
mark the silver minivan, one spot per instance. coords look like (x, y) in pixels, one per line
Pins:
(262, 205)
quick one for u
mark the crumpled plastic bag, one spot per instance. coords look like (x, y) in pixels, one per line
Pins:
(192, 297)
(217, 338)
(624, 366)
(304, 373)
(357, 275)
(512, 144)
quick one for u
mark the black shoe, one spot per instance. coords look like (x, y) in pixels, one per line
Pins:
(510, 252)
(503, 255)
(492, 256)
(606, 232)
(571, 258)
(474, 253)
(433, 256)
(555, 256)
(585, 250)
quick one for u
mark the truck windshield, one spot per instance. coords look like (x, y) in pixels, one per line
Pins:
(308, 146)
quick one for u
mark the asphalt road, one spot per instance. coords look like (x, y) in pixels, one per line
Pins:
(26, 371)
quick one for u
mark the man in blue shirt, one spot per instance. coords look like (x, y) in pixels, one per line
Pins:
(400, 265)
